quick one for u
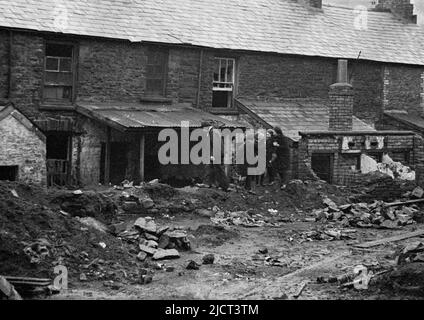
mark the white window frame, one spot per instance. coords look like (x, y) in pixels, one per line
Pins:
(228, 85)
(59, 59)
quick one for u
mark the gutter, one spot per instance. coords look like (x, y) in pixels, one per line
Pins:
(199, 84)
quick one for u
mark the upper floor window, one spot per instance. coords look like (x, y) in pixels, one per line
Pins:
(223, 82)
(59, 72)
(156, 70)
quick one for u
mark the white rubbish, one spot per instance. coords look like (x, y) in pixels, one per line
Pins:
(102, 244)
(387, 166)
(368, 164)
(14, 193)
(77, 192)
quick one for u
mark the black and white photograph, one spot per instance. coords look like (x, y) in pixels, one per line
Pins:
(196, 150)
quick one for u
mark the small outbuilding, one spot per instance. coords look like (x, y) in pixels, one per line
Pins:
(22, 148)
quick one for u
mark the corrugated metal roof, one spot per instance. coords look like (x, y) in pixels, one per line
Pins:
(297, 115)
(141, 116)
(281, 26)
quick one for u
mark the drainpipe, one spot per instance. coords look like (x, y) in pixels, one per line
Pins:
(9, 90)
(200, 78)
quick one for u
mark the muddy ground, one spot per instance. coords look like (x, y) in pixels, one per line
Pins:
(240, 270)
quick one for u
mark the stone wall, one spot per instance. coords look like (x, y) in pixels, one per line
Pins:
(23, 148)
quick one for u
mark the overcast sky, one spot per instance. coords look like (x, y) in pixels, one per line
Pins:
(419, 5)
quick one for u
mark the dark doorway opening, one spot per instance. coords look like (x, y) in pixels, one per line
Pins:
(151, 160)
(322, 165)
(58, 147)
(118, 162)
(9, 173)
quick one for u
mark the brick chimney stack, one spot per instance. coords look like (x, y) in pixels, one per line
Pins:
(341, 101)
(401, 8)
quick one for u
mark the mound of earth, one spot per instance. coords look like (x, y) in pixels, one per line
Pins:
(35, 237)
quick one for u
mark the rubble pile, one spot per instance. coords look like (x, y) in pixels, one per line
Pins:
(153, 241)
(245, 219)
(378, 186)
(375, 215)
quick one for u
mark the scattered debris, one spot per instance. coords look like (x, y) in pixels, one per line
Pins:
(376, 215)
(93, 223)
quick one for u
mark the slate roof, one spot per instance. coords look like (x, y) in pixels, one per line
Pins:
(280, 26)
(134, 117)
(413, 121)
(296, 115)
(9, 110)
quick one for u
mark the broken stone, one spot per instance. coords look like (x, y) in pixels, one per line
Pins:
(147, 225)
(14, 193)
(83, 277)
(161, 254)
(148, 250)
(130, 206)
(389, 224)
(149, 236)
(263, 251)
(330, 204)
(151, 244)
(142, 256)
(146, 279)
(147, 203)
(205, 213)
(208, 259)
(193, 265)
(93, 223)
(164, 242)
(170, 269)
(418, 192)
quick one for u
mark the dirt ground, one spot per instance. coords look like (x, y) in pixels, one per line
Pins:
(290, 269)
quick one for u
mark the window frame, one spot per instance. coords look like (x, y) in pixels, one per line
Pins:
(228, 86)
(74, 67)
(162, 94)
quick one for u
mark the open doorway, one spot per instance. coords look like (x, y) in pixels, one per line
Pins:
(118, 162)
(322, 165)
(9, 173)
(58, 147)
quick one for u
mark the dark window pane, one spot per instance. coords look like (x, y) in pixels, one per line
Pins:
(59, 50)
(157, 59)
(221, 99)
(65, 65)
(52, 64)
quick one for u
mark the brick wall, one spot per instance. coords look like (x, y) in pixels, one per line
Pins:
(344, 162)
(4, 66)
(282, 76)
(341, 107)
(367, 81)
(21, 147)
(403, 88)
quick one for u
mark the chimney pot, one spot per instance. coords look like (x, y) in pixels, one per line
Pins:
(342, 76)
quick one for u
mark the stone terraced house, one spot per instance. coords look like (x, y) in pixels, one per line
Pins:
(101, 78)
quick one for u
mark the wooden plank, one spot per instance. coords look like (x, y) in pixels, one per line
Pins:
(142, 156)
(107, 156)
(390, 239)
(400, 203)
